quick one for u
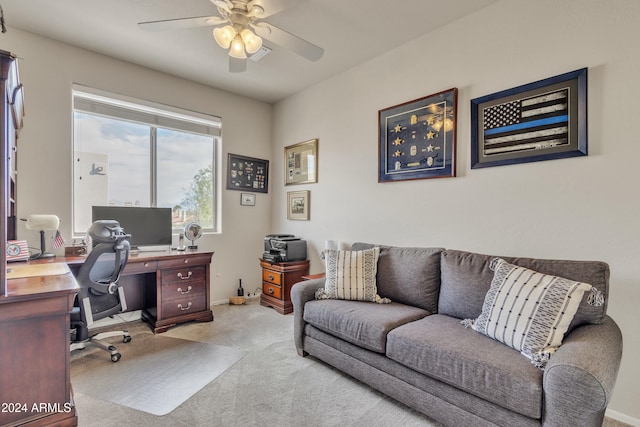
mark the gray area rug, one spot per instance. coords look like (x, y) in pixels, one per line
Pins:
(156, 373)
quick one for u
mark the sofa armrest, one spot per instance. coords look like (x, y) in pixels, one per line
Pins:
(579, 378)
(302, 292)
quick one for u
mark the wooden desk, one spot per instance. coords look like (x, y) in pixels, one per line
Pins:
(35, 385)
(169, 287)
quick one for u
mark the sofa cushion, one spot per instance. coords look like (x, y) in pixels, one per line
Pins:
(351, 275)
(408, 275)
(439, 347)
(530, 311)
(466, 279)
(361, 323)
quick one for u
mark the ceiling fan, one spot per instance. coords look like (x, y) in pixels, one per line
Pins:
(240, 28)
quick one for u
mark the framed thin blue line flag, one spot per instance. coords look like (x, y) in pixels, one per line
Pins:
(538, 121)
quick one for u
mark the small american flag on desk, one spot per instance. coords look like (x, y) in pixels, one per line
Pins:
(541, 121)
(58, 241)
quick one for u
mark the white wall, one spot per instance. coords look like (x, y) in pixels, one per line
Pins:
(580, 208)
(48, 69)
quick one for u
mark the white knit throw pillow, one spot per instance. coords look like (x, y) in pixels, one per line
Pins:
(530, 311)
(351, 275)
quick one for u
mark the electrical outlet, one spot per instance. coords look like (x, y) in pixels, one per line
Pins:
(253, 295)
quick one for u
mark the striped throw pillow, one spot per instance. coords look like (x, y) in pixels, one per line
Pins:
(351, 275)
(530, 311)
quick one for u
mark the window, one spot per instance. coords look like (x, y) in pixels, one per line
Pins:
(135, 153)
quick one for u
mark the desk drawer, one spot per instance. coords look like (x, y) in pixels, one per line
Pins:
(185, 261)
(184, 275)
(182, 307)
(184, 289)
(272, 277)
(272, 290)
(140, 267)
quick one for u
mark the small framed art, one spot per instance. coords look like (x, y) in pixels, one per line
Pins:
(298, 205)
(301, 163)
(247, 173)
(418, 138)
(538, 121)
(247, 199)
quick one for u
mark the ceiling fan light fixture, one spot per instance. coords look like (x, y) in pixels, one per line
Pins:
(224, 36)
(252, 42)
(237, 48)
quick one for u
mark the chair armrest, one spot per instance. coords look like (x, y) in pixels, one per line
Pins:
(579, 378)
(302, 292)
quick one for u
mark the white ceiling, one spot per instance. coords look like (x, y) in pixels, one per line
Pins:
(351, 32)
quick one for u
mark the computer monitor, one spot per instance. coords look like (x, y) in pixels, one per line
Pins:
(150, 228)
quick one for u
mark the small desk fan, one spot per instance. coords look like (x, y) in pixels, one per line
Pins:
(193, 231)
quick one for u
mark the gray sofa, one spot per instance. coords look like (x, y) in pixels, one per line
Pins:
(416, 350)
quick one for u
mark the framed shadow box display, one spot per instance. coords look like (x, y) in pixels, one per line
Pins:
(301, 163)
(418, 138)
(543, 120)
(247, 173)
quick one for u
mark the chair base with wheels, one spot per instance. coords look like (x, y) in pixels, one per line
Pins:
(80, 343)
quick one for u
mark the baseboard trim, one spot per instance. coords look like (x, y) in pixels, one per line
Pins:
(619, 416)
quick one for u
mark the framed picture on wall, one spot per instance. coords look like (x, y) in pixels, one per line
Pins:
(247, 199)
(418, 138)
(298, 205)
(301, 163)
(543, 120)
(247, 173)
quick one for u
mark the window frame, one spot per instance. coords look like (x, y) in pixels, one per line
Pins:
(119, 107)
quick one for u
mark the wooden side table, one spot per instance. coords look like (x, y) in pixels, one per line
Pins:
(277, 281)
(313, 276)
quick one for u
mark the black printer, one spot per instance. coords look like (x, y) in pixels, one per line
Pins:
(284, 248)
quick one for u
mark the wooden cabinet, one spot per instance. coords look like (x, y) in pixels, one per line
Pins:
(34, 339)
(277, 281)
(35, 384)
(182, 289)
(11, 112)
(12, 119)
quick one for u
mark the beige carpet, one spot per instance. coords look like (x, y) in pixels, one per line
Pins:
(270, 386)
(155, 375)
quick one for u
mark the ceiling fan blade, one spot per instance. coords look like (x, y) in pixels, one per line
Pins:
(181, 23)
(225, 5)
(272, 7)
(237, 65)
(288, 41)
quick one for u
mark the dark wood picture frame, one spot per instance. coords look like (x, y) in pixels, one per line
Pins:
(247, 173)
(543, 120)
(417, 139)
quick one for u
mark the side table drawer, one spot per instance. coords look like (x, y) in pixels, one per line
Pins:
(272, 277)
(272, 290)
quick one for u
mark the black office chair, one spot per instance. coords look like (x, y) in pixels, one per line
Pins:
(99, 295)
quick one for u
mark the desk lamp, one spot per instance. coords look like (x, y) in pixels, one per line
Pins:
(42, 223)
